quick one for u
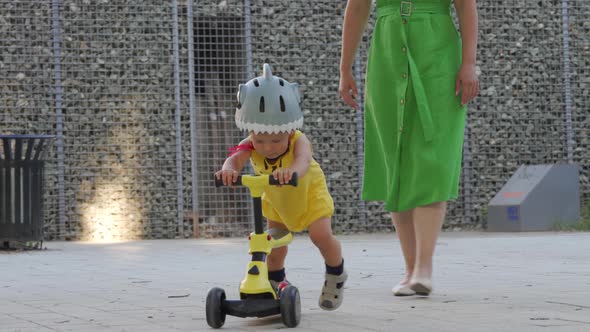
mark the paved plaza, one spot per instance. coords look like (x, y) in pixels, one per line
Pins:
(483, 282)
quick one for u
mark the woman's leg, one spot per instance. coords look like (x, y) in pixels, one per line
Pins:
(428, 221)
(404, 228)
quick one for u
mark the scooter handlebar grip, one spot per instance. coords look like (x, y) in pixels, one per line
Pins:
(219, 182)
(292, 182)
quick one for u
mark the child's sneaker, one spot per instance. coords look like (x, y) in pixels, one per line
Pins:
(278, 286)
(331, 297)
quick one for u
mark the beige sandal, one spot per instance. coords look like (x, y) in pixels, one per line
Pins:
(421, 286)
(331, 297)
(403, 290)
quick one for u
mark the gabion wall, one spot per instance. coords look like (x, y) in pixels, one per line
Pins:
(142, 97)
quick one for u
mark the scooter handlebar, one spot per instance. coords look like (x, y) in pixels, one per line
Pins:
(271, 180)
(219, 182)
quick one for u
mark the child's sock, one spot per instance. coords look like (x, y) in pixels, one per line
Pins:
(335, 270)
(278, 275)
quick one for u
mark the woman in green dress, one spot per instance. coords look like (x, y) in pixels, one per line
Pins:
(420, 76)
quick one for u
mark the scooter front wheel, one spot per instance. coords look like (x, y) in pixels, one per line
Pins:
(290, 306)
(214, 309)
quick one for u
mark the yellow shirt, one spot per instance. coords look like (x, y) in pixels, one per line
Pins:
(295, 207)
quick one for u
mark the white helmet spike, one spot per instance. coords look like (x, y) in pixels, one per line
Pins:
(268, 104)
(266, 71)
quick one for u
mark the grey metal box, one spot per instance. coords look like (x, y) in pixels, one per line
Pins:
(536, 198)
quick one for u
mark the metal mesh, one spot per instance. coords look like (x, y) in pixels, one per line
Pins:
(142, 98)
(26, 81)
(520, 117)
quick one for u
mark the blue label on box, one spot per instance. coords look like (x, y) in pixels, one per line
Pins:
(512, 213)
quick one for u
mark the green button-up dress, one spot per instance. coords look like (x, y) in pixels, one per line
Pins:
(414, 122)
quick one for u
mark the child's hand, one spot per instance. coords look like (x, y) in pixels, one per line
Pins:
(228, 176)
(283, 175)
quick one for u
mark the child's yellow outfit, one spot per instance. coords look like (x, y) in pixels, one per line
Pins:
(270, 104)
(295, 207)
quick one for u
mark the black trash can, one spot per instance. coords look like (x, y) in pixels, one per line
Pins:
(21, 187)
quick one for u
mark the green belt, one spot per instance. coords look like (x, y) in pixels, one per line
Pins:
(408, 8)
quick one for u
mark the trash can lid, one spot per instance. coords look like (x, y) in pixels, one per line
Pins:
(18, 148)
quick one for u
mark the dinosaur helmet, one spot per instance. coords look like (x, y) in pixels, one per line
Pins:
(269, 104)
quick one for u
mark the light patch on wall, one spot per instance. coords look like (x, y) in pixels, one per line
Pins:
(111, 215)
(114, 190)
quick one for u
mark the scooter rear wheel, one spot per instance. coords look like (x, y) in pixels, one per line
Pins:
(214, 310)
(290, 306)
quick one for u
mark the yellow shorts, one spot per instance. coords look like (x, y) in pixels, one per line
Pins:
(318, 206)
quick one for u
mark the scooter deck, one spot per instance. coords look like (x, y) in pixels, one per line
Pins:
(252, 307)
